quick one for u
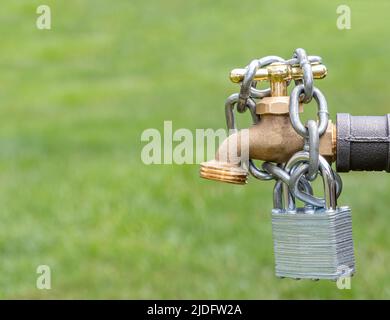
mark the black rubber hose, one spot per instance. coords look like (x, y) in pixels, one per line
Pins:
(363, 143)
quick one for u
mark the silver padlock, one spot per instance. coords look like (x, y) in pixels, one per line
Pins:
(314, 242)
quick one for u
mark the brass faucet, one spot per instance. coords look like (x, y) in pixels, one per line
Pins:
(272, 138)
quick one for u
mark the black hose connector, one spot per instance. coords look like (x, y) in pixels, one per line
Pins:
(363, 143)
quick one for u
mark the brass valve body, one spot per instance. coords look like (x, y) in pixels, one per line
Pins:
(272, 139)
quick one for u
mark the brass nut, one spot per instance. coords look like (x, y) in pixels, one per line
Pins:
(275, 105)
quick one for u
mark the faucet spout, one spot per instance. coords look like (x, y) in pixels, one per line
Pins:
(271, 139)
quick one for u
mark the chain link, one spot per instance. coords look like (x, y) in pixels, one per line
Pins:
(322, 113)
(307, 80)
(232, 126)
(312, 144)
(247, 88)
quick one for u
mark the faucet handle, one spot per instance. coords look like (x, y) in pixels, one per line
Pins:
(279, 71)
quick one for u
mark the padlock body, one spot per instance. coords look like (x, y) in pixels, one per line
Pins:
(313, 244)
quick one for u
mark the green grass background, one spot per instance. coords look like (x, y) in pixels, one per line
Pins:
(74, 101)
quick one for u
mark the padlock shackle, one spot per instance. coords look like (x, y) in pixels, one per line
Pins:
(329, 182)
(288, 203)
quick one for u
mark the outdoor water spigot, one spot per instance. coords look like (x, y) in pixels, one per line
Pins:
(272, 138)
(354, 142)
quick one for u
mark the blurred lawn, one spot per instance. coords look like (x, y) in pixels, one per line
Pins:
(74, 101)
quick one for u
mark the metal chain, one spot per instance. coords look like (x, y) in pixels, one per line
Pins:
(304, 166)
(312, 144)
(231, 125)
(322, 113)
(247, 88)
(307, 80)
